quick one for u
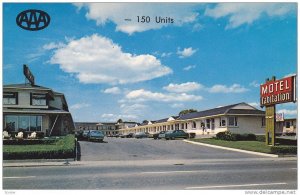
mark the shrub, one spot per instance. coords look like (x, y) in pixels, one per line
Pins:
(284, 149)
(228, 136)
(225, 135)
(192, 135)
(282, 141)
(261, 138)
(28, 142)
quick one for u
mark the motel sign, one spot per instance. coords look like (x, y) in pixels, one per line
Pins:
(276, 92)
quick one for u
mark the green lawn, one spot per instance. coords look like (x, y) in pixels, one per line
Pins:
(64, 146)
(255, 146)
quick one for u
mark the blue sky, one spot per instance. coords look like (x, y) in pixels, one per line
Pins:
(109, 68)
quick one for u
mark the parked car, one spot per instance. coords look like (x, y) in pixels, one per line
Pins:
(95, 135)
(141, 135)
(129, 135)
(176, 134)
(85, 134)
(156, 135)
(161, 134)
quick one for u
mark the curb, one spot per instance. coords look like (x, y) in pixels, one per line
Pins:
(232, 149)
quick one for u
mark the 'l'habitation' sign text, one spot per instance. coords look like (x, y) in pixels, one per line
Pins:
(278, 91)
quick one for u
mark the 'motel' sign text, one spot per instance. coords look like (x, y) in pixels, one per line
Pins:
(278, 91)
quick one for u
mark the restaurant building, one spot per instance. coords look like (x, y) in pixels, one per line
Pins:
(237, 118)
(32, 108)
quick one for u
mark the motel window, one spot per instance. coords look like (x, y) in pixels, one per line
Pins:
(194, 125)
(287, 124)
(222, 122)
(10, 98)
(38, 99)
(232, 121)
(208, 123)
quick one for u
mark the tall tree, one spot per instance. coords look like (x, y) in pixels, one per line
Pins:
(182, 112)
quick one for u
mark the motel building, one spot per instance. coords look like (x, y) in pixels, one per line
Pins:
(237, 118)
(31, 108)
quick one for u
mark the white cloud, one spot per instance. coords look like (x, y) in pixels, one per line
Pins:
(186, 52)
(197, 27)
(114, 117)
(103, 13)
(133, 109)
(288, 112)
(53, 45)
(235, 88)
(143, 95)
(166, 54)
(80, 106)
(177, 105)
(254, 104)
(189, 67)
(96, 59)
(289, 75)
(113, 90)
(247, 13)
(254, 84)
(183, 87)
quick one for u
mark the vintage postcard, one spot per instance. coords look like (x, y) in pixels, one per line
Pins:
(150, 96)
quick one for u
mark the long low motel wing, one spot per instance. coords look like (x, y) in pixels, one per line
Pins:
(237, 118)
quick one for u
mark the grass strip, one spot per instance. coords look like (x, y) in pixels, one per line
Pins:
(63, 147)
(255, 146)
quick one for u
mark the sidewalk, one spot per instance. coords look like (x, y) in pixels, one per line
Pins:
(39, 162)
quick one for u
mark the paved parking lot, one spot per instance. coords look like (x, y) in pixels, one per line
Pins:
(150, 149)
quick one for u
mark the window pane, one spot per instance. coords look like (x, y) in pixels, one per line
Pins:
(23, 123)
(11, 123)
(231, 121)
(208, 123)
(39, 99)
(10, 98)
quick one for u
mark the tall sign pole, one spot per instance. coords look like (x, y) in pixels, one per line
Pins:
(275, 92)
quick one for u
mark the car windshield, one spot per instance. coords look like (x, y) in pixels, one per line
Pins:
(96, 132)
(170, 131)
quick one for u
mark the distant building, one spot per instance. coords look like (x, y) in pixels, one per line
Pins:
(85, 126)
(32, 108)
(108, 128)
(237, 118)
(286, 126)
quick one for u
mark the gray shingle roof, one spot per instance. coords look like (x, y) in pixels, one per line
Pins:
(220, 110)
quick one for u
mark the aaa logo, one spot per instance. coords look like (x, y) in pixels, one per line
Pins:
(33, 20)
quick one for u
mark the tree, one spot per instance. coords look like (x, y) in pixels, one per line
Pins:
(182, 112)
(120, 121)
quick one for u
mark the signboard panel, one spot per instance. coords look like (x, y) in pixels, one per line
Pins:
(28, 74)
(277, 91)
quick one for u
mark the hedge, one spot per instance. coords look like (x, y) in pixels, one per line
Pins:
(284, 149)
(62, 148)
(28, 142)
(228, 136)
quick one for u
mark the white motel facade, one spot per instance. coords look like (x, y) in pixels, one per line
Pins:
(236, 118)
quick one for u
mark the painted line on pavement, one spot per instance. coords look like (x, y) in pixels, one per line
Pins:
(24, 177)
(164, 172)
(232, 149)
(231, 186)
